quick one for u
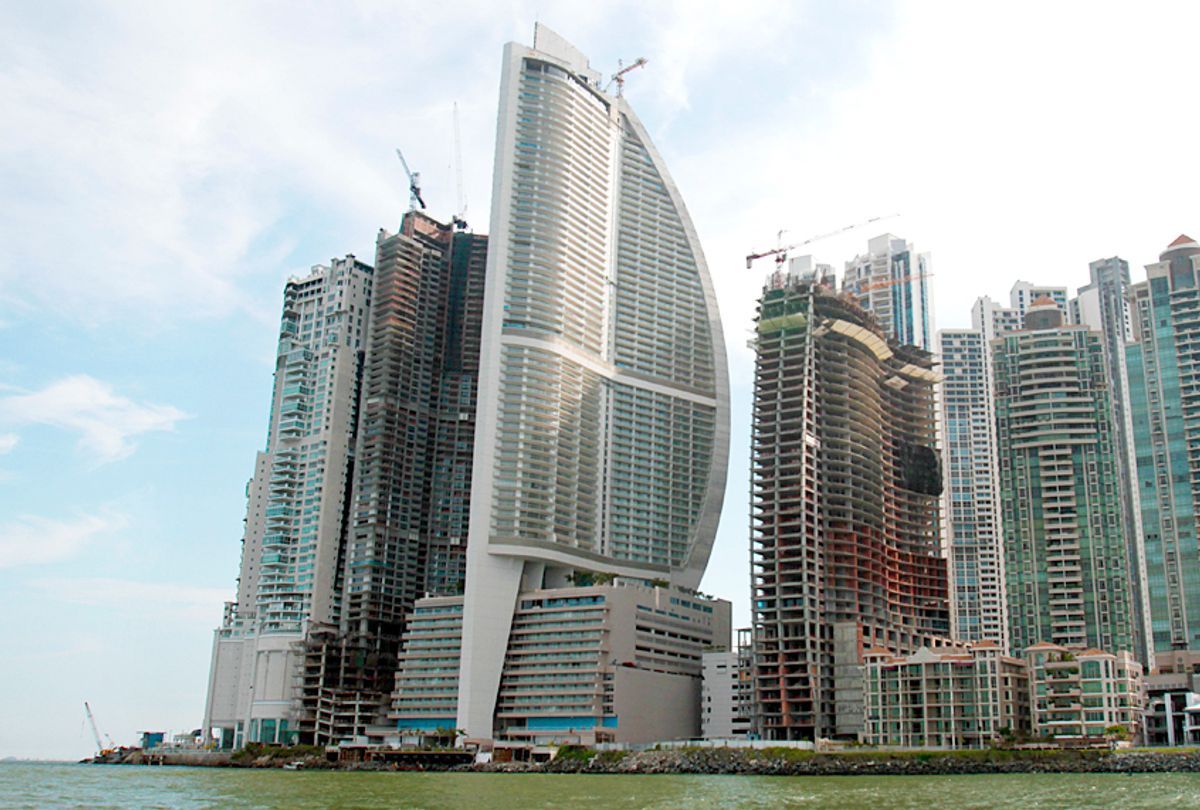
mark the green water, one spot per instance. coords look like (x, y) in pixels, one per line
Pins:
(84, 786)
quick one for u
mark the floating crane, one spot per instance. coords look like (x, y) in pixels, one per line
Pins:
(619, 76)
(96, 732)
(780, 253)
(414, 185)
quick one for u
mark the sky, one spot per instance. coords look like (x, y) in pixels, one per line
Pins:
(164, 168)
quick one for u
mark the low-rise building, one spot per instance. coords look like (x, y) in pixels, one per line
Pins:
(617, 662)
(1172, 714)
(726, 693)
(1082, 693)
(945, 698)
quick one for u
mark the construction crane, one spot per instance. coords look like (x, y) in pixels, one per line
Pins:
(619, 76)
(414, 185)
(890, 282)
(460, 219)
(780, 253)
(96, 732)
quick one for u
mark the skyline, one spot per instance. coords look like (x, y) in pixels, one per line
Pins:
(153, 237)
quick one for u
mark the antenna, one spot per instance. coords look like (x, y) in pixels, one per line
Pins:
(460, 219)
(414, 185)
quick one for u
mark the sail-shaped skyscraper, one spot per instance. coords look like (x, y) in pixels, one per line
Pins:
(602, 436)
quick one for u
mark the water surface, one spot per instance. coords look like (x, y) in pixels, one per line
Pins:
(97, 786)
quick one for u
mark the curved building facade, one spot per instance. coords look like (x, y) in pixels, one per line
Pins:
(602, 442)
(845, 511)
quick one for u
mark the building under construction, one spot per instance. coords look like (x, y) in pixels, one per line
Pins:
(407, 527)
(845, 505)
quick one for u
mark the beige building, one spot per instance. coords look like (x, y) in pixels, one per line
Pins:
(944, 698)
(615, 662)
(1083, 693)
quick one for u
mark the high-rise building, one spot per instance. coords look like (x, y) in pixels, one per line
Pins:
(974, 524)
(1164, 403)
(1103, 305)
(846, 486)
(406, 534)
(297, 502)
(1023, 294)
(1066, 560)
(974, 529)
(605, 443)
(891, 281)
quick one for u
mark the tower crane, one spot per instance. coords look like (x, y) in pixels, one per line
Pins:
(414, 185)
(780, 253)
(619, 76)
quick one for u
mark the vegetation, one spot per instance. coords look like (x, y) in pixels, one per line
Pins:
(255, 751)
(574, 753)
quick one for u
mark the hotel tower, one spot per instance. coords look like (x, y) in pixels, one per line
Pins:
(603, 445)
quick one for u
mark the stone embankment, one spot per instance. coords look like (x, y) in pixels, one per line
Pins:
(790, 762)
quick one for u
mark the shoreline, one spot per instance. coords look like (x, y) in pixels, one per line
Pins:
(728, 761)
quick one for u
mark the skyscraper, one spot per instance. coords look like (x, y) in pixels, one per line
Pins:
(891, 281)
(291, 569)
(1103, 305)
(972, 499)
(1065, 555)
(406, 534)
(846, 485)
(605, 442)
(1164, 380)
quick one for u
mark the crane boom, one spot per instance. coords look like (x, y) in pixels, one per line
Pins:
(619, 76)
(414, 184)
(780, 253)
(95, 731)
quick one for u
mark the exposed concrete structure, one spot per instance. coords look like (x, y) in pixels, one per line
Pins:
(945, 698)
(412, 477)
(605, 445)
(618, 662)
(846, 485)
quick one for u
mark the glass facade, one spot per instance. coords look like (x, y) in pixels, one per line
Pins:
(1164, 380)
(1066, 561)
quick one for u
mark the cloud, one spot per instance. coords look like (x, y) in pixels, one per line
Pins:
(33, 540)
(107, 421)
(7, 442)
(166, 598)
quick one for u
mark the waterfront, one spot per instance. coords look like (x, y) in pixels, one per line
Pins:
(27, 785)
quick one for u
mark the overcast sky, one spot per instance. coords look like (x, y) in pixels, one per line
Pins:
(164, 168)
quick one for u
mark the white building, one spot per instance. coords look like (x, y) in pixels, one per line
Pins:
(727, 692)
(617, 662)
(295, 507)
(891, 281)
(1084, 692)
(605, 443)
(974, 523)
